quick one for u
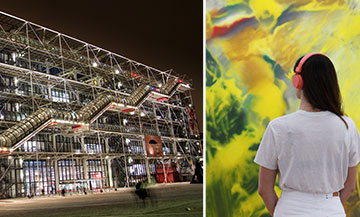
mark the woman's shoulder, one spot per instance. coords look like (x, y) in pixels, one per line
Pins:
(282, 120)
(347, 118)
(349, 121)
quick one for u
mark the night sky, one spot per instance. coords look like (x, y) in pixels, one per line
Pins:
(164, 34)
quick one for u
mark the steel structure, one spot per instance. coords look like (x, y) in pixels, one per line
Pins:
(74, 116)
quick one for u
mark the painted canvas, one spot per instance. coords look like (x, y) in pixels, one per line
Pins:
(251, 48)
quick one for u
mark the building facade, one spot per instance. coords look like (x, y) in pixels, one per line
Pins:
(74, 116)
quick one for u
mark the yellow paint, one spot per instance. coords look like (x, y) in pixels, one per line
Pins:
(208, 26)
(329, 26)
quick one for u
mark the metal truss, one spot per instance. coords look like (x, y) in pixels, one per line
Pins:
(66, 78)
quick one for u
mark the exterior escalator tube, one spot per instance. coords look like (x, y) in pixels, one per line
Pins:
(20, 130)
(139, 95)
(173, 90)
(93, 108)
(170, 87)
(32, 122)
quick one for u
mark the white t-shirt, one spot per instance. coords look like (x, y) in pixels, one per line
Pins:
(311, 150)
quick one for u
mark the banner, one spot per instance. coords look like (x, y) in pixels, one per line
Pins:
(194, 129)
(153, 146)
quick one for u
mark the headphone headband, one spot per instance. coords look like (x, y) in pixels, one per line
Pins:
(297, 79)
(303, 60)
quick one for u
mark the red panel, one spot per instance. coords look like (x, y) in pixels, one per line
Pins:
(162, 99)
(128, 110)
(171, 174)
(160, 178)
(4, 152)
(76, 127)
(52, 124)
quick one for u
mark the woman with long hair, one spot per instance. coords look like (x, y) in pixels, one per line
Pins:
(314, 151)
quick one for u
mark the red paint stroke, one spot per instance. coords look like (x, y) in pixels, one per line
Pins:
(224, 29)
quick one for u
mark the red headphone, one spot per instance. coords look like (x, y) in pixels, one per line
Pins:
(297, 79)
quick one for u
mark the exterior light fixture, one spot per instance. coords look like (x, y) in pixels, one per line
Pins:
(134, 75)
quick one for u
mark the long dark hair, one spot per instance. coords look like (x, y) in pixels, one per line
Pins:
(321, 86)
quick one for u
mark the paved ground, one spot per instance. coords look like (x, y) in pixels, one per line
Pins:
(179, 199)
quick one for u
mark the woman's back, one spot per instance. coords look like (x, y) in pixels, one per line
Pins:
(312, 151)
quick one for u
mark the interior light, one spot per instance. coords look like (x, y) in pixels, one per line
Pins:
(14, 55)
(94, 64)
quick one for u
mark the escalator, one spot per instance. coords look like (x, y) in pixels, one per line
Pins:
(167, 90)
(16, 135)
(139, 95)
(171, 86)
(95, 108)
(25, 129)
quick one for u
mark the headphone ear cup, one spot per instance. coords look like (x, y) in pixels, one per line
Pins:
(297, 81)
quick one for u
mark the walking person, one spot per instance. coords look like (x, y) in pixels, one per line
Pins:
(314, 151)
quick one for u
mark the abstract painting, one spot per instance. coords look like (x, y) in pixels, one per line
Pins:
(251, 48)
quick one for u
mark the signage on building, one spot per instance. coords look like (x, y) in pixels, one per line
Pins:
(96, 176)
